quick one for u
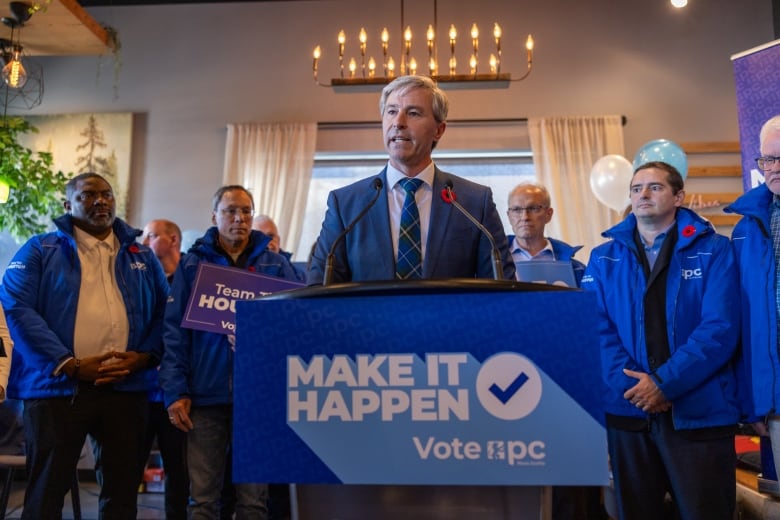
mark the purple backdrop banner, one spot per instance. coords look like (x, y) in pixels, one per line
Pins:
(212, 305)
(758, 99)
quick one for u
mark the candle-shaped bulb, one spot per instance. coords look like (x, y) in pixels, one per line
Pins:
(342, 38)
(430, 34)
(453, 33)
(432, 66)
(473, 63)
(413, 66)
(497, 31)
(317, 53)
(371, 67)
(474, 32)
(352, 67)
(390, 67)
(408, 35)
(362, 36)
(493, 63)
(529, 43)
(453, 65)
(385, 37)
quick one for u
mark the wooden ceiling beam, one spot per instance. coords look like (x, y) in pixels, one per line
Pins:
(62, 28)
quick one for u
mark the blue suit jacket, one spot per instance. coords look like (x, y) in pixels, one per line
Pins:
(455, 248)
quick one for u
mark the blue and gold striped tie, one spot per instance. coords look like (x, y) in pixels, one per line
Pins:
(409, 263)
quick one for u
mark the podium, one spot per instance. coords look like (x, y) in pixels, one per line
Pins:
(409, 395)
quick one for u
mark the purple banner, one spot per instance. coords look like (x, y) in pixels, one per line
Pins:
(758, 99)
(212, 305)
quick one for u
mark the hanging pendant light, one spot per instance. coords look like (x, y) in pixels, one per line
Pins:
(14, 74)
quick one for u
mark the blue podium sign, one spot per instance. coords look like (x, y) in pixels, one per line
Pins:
(467, 388)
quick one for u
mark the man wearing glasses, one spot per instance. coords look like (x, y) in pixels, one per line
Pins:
(529, 212)
(196, 373)
(85, 307)
(756, 239)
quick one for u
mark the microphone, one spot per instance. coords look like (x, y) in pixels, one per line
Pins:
(377, 185)
(449, 197)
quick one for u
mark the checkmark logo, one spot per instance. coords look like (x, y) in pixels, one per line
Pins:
(503, 376)
(504, 395)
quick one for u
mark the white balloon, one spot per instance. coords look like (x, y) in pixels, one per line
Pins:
(610, 180)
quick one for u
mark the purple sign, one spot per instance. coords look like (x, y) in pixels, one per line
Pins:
(758, 99)
(212, 305)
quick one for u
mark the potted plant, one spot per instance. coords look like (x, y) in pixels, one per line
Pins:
(36, 190)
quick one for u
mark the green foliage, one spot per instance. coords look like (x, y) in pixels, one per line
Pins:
(36, 189)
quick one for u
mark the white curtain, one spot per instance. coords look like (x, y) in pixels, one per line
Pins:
(564, 150)
(274, 162)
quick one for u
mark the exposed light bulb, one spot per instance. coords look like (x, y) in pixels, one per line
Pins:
(14, 74)
(679, 3)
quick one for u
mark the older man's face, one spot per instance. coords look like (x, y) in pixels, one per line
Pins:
(528, 214)
(771, 148)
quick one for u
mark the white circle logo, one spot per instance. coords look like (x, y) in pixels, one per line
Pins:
(509, 386)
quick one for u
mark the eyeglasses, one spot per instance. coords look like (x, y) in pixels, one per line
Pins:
(531, 210)
(89, 197)
(232, 212)
(765, 163)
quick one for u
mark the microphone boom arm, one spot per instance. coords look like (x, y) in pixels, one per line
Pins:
(495, 256)
(327, 277)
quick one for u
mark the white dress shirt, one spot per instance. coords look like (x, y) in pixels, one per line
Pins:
(101, 317)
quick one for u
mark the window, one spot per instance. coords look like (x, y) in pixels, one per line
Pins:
(500, 169)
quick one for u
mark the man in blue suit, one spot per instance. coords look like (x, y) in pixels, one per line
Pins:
(414, 113)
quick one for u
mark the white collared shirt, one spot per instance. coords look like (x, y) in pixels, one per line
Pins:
(395, 202)
(520, 254)
(101, 317)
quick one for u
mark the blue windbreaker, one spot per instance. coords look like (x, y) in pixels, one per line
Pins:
(752, 241)
(701, 316)
(199, 364)
(40, 294)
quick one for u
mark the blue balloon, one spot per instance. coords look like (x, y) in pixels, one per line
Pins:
(665, 151)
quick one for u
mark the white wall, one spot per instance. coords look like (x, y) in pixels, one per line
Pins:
(188, 70)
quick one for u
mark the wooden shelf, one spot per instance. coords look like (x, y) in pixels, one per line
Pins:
(711, 147)
(714, 171)
(705, 200)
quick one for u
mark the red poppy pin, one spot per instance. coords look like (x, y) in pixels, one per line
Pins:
(133, 248)
(251, 268)
(445, 196)
(688, 231)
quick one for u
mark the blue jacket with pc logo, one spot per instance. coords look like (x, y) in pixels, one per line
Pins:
(40, 293)
(702, 319)
(752, 241)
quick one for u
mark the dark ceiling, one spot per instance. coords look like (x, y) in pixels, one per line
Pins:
(100, 3)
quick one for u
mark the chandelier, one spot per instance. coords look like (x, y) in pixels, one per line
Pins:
(483, 68)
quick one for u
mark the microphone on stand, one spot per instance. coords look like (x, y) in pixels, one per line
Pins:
(449, 197)
(377, 185)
